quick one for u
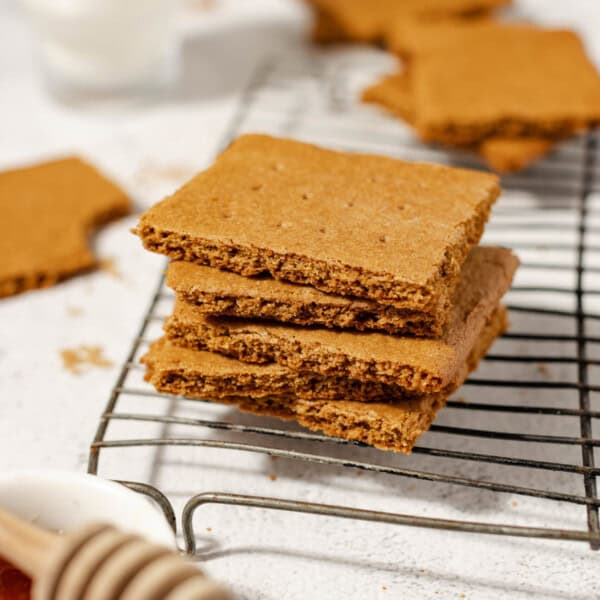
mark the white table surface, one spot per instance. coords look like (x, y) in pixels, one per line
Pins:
(48, 415)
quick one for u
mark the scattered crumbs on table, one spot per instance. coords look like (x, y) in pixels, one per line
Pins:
(74, 311)
(108, 265)
(272, 477)
(383, 587)
(209, 529)
(543, 369)
(514, 503)
(460, 399)
(77, 359)
(462, 596)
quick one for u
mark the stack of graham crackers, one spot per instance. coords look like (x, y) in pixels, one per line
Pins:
(509, 92)
(344, 291)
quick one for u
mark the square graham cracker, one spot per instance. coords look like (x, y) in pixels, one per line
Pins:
(504, 154)
(348, 224)
(417, 365)
(387, 425)
(505, 80)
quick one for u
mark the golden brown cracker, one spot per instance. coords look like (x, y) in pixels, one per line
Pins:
(348, 224)
(506, 81)
(217, 292)
(48, 211)
(325, 29)
(504, 154)
(390, 426)
(508, 155)
(369, 20)
(416, 364)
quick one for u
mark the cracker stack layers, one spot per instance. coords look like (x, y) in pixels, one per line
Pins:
(343, 291)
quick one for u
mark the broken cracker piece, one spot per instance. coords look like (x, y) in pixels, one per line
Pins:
(47, 212)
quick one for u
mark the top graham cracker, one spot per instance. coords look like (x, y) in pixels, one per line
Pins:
(348, 224)
(501, 79)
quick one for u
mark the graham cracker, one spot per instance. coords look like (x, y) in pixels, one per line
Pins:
(409, 38)
(215, 292)
(369, 20)
(504, 154)
(325, 29)
(510, 154)
(505, 80)
(415, 364)
(48, 210)
(390, 426)
(393, 92)
(221, 376)
(348, 224)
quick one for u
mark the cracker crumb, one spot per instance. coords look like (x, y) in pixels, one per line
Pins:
(514, 503)
(74, 311)
(543, 369)
(272, 477)
(109, 265)
(209, 529)
(383, 587)
(76, 359)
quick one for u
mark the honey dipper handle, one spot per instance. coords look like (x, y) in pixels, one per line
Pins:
(24, 545)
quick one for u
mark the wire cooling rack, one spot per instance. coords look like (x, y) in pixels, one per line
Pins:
(531, 406)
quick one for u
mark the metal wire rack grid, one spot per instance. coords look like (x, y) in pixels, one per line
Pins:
(312, 97)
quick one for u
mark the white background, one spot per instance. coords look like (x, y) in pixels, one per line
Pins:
(48, 415)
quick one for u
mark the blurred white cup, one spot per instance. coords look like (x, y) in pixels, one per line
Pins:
(94, 48)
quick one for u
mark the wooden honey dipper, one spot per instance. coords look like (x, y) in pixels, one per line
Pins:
(99, 562)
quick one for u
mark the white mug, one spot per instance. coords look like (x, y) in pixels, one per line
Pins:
(104, 47)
